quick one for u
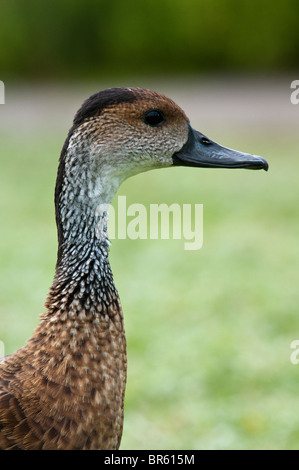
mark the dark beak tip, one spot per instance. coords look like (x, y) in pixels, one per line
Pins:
(264, 164)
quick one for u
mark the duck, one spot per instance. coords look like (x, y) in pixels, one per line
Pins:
(65, 388)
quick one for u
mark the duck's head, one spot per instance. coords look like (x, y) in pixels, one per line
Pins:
(120, 132)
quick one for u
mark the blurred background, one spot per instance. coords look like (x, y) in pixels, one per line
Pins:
(208, 331)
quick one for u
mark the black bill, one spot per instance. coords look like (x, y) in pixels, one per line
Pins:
(201, 151)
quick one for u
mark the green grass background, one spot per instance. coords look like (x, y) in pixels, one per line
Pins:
(208, 331)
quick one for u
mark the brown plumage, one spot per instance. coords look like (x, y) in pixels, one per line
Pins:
(65, 388)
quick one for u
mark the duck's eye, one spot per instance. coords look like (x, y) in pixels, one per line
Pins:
(154, 118)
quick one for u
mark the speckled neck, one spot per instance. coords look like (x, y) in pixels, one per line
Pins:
(83, 278)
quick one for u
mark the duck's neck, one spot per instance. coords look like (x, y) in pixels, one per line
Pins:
(83, 276)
